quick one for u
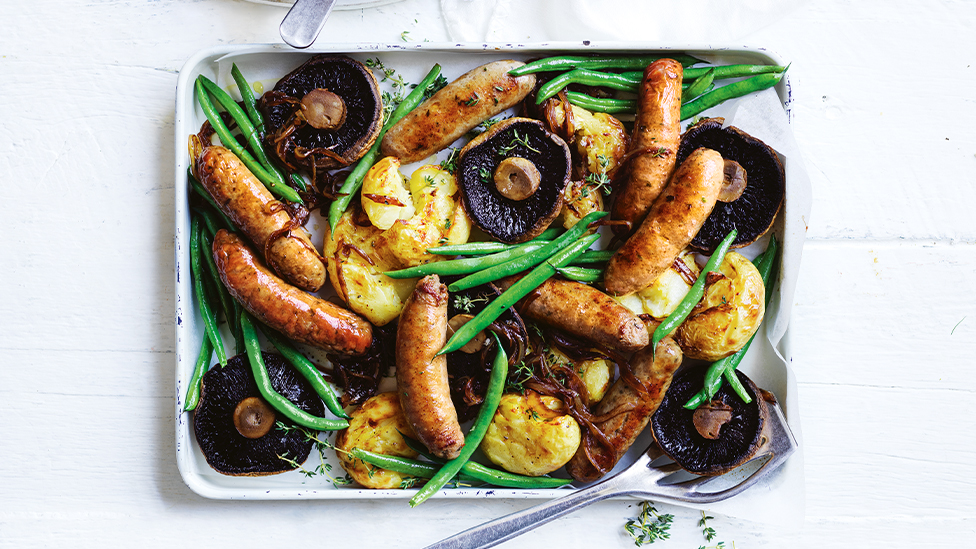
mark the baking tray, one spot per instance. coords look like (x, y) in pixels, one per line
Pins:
(767, 361)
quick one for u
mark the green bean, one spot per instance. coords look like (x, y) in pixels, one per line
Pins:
(247, 96)
(495, 477)
(244, 123)
(526, 261)
(601, 104)
(695, 294)
(203, 361)
(732, 71)
(489, 247)
(466, 265)
(197, 187)
(587, 78)
(517, 291)
(699, 86)
(277, 188)
(764, 264)
(213, 275)
(568, 62)
(733, 380)
(307, 369)
(355, 178)
(405, 466)
(496, 384)
(209, 318)
(581, 274)
(593, 256)
(273, 397)
(730, 91)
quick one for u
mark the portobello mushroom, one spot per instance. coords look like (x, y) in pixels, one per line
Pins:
(716, 437)
(325, 114)
(235, 427)
(512, 179)
(751, 164)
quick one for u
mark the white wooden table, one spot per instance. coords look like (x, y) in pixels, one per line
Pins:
(884, 319)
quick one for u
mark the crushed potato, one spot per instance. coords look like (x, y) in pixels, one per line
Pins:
(356, 269)
(385, 197)
(597, 374)
(376, 427)
(531, 435)
(729, 313)
(662, 297)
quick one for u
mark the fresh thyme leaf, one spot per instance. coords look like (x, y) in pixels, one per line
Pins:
(649, 526)
(707, 531)
(466, 303)
(484, 174)
(410, 482)
(451, 163)
(405, 36)
(516, 141)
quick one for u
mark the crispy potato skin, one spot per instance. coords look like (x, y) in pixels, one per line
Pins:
(655, 371)
(657, 132)
(297, 314)
(252, 208)
(583, 311)
(453, 111)
(674, 219)
(422, 382)
(376, 426)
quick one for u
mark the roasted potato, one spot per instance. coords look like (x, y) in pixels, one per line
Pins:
(356, 269)
(531, 435)
(601, 139)
(376, 427)
(597, 374)
(385, 197)
(729, 313)
(662, 297)
(439, 219)
(579, 199)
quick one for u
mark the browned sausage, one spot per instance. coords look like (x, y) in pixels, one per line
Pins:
(583, 311)
(674, 219)
(297, 314)
(657, 133)
(252, 208)
(655, 371)
(456, 109)
(425, 394)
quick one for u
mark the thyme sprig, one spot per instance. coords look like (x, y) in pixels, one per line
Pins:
(323, 468)
(649, 526)
(516, 141)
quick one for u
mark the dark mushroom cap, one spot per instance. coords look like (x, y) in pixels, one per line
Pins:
(469, 373)
(752, 214)
(738, 440)
(229, 452)
(502, 218)
(298, 143)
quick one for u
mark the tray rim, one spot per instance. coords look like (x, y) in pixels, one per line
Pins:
(184, 439)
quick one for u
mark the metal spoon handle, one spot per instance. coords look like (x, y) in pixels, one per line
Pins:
(304, 21)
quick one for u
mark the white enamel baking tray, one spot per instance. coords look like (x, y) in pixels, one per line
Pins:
(767, 362)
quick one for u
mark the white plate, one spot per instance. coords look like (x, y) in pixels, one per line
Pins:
(267, 63)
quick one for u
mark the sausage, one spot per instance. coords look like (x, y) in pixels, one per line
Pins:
(422, 382)
(583, 311)
(252, 208)
(655, 371)
(673, 220)
(455, 110)
(655, 140)
(296, 314)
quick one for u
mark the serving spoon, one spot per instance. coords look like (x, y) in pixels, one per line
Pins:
(304, 21)
(641, 479)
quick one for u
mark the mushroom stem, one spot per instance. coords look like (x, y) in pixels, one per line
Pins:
(253, 418)
(709, 418)
(323, 110)
(517, 178)
(734, 182)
